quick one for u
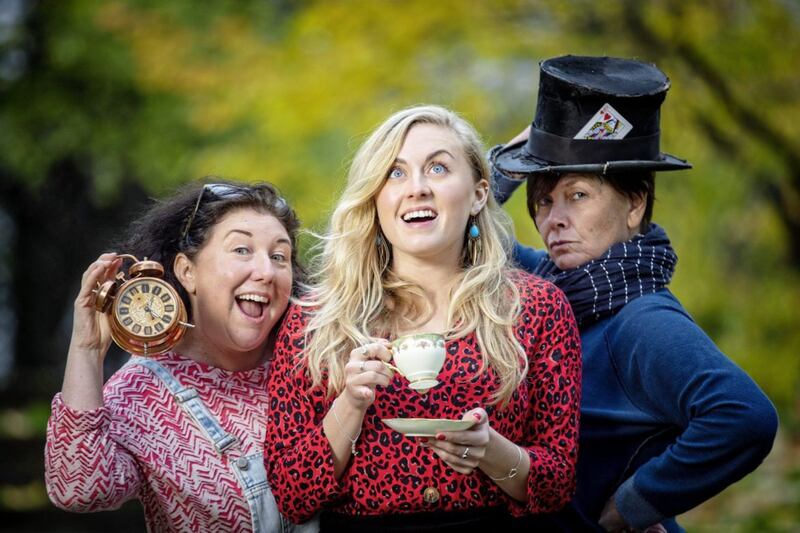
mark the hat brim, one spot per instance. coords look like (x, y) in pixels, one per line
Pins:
(515, 159)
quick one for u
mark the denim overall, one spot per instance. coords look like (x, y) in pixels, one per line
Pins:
(249, 470)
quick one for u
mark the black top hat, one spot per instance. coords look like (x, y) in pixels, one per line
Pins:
(594, 115)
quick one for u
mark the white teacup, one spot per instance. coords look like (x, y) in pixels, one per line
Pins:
(419, 358)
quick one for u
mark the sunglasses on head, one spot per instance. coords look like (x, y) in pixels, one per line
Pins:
(219, 192)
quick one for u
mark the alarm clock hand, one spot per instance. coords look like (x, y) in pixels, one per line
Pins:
(149, 309)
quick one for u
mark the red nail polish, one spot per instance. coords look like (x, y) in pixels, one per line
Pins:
(440, 437)
(477, 416)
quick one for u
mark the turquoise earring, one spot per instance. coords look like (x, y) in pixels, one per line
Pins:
(474, 230)
(473, 248)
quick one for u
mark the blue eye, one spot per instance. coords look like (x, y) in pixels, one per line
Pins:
(279, 257)
(241, 250)
(395, 173)
(438, 168)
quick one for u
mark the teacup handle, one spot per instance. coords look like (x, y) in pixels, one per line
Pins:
(388, 365)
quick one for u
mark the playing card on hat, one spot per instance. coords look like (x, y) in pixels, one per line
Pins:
(606, 124)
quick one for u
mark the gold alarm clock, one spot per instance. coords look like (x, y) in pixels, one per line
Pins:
(146, 315)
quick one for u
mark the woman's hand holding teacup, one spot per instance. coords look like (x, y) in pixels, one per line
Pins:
(366, 370)
(463, 450)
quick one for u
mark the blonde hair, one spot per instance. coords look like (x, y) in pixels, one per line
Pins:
(357, 294)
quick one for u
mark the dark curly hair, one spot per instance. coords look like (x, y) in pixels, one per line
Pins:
(181, 223)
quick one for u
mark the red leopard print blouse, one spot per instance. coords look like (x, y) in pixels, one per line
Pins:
(391, 471)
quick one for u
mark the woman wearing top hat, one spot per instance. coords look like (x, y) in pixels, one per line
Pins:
(667, 420)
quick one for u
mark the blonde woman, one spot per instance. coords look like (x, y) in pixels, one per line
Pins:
(417, 244)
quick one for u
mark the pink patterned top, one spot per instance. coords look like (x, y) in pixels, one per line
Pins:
(143, 445)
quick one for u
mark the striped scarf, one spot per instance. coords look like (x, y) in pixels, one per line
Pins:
(626, 271)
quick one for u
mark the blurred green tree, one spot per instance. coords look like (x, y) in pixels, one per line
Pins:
(106, 103)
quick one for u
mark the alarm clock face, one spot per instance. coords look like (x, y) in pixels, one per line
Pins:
(146, 307)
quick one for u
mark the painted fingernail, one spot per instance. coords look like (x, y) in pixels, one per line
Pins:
(477, 416)
(440, 437)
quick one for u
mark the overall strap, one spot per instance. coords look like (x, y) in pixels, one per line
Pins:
(248, 470)
(189, 400)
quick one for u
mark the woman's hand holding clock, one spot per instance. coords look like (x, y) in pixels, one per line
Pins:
(91, 338)
(90, 330)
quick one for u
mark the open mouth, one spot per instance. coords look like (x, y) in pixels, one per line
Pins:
(420, 215)
(252, 305)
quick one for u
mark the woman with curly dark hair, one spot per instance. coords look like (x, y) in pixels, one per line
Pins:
(182, 431)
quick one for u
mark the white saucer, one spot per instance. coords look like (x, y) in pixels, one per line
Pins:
(426, 427)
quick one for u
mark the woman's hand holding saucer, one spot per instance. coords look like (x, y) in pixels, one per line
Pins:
(463, 450)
